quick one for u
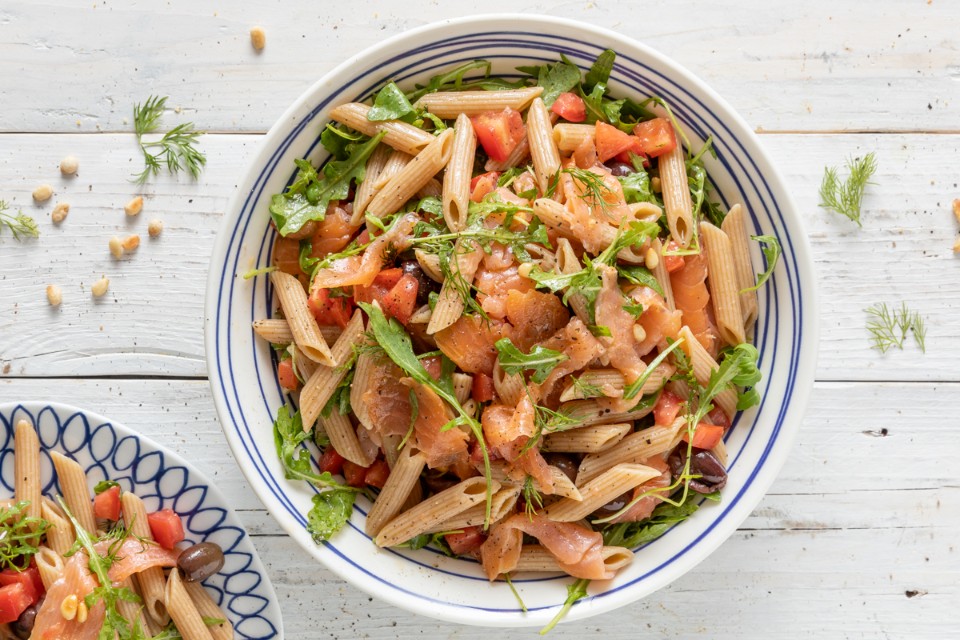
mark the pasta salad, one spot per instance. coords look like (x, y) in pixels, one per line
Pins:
(510, 313)
(76, 568)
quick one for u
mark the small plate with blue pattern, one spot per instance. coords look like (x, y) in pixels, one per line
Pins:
(107, 450)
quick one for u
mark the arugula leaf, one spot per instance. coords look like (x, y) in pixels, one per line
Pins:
(636, 186)
(450, 81)
(664, 516)
(19, 536)
(104, 485)
(560, 77)
(288, 436)
(634, 308)
(632, 389)
(575, 592)
(330, 511)
(599, 72)
(390, 104)
(435, 540)
(540, 359)
(771, 254)
(307, 261)
(340, 400)
(637, 274)
(739, 367)
(335, 140)
(307, 198)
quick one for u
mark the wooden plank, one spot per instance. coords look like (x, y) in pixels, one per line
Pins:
(151, 321)
(806, 66)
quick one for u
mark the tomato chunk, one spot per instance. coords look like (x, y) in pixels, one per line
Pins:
(482, 390)
(381, 285)
(705, 436)
(377, 474)
(656, 137)
(466, 542)
(14, 598)
(354, 474)
(286, 375)
(483, 184)
(106, 504)
(331, 461)
(330, 309)
(611, 141)
(667, 407)
(672, 262)
(29, 578)
(401, 301)
(570, 107)
(499, 132)
(166, 527)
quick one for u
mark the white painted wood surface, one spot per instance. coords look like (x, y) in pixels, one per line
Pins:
(857, 538)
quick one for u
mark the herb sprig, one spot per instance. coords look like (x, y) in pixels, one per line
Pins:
(846, 197)
(888, 327)
(176, 147)
(540, 360)
(19, 534)
(21, 225)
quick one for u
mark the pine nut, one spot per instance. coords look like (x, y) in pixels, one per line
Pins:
(258, 38)
(134, 206)
(60, 212)
(639, 334)
(651, 258)
(131, 242)
(54, 295)
(524, 269)
(68, 608)
(42, 193)
(69, 166)
(155, 228)
(99, 287)
(655, 184)
(116, 247)
(81, 612)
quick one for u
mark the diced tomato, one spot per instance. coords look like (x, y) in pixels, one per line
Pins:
(106, 504)
(483, 184)
(499, 132)
(331, 461)
(466, 542)
(287, 376)
(667, 407)
(166, 527)
(380, 287)
(329, 309)
(570, 107)
(717, 416)
(401, 301)
(29, 578)
(354, 474)
(482, 390)
(14, 598)
(672, 262)
(432, 365)
(611, 141)
(656, 137)
(705, 436)
(377, 474)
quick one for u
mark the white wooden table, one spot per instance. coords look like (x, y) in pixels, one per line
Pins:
(858, 537)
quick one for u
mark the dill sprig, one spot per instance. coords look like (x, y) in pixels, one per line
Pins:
(586, 389)
(18, 536)
(888, 327)
(532, 500)
(176, 148)
(595, 189)
(846, 197)
(21, 225)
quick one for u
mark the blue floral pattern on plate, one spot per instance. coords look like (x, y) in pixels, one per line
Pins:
(162, 479)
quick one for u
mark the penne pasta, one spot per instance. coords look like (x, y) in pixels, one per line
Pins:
(26, 468)
(396, 161)
(509, 388)
(456, 179)
(324, 381)
(450, 304)
(543, 148)
(462, 386)
(453, 104)
(587, 439)
(183, 611)
(735, 226)
(60, 534)
(73, 485)
(569, 136)
(49, 565)
(404, 476)
(676, 195)
(209, 609)
(662, 275)
(503, 504)
(724, 287)
(597, 411)
(273, 330)
(536, 558)
(132, 612)
(399, 135)
(368, 186)
(303, 325)
(343, 437)
(433, 189)
(610, 383)
(632, 449)
(610, 484)
(151, 581)
(363, 371)
(411, 178)
(430, 263)
(703, 365)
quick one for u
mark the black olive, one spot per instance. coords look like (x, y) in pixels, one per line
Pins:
(424, 284)
(616, 504)
(200, 561)
(621, 169)
(22, 627)
(563, 462)
(703, 463)
(438, 481)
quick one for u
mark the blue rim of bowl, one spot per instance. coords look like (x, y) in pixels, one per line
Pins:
(644, 84)
(268, 611)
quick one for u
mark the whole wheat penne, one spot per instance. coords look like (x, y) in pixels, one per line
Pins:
(343, 437)
(421, 315)
(562, 485)
(434, 510)
(632, 449)
(608, 485)
(400, 135)
(503, 503)
(662, 276)
(430, 263)
(735, 226)
(536, 558)
(450, 304)
(556, 216)
(152, 583)
(49, 565)
(60, 535)
(543, 148)
(209, 609)
(433, 189)
(183, 611)
(724, 287)
(462, 386)
(676, 195)
(26, 468)
(703, 365)
(413, 176)
(273, 330)
(587, 439)
(320, 387)
(396, 161)
(452, 104)
(509, 388)
(568, 262)
(132, 612)
(456, 179)
(404, 476)
(569, 136)
(363, 371)
(368, 186)
(303, 325)
(610, 383)
(73, 484)
(720, 451)
(597, 411)
(303, 365)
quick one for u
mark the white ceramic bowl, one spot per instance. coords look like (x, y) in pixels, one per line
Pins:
(247, 393)
(109, 451)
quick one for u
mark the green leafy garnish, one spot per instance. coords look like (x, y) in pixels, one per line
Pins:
(632, 389)
(330, 511)
(586, 389)
(532, 500)
(540, 360)
(575, 592)
(336, 138)
(636, 185)
(20, 225)
(888, 328)
(846, 198)
(436, 540)
(340, 400)
(19, 535)
(771, 254)
(307, 197)
(253, 273)
(307, 261)
(556, 78)
(288, 436)
(664, 516)
(450, 81)
(176, 147)
(390, 104)
(637, 274)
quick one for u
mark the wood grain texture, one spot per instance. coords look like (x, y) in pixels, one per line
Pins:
(150, 323)
(813, 66)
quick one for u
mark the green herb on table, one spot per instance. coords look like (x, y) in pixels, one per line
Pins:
(21, 225)
(846, 197)
(888, 328)
(175, 149)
